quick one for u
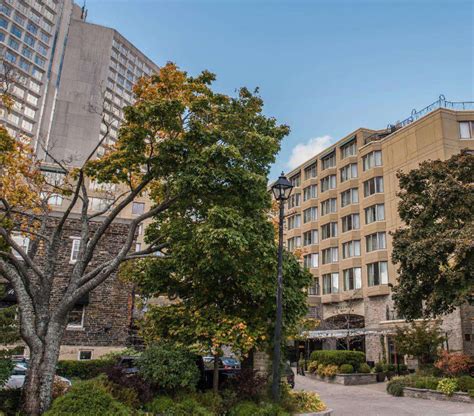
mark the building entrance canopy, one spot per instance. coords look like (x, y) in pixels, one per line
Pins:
(343, 333)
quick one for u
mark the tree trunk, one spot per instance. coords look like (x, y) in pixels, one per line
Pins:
(215, 375)
(38, 387)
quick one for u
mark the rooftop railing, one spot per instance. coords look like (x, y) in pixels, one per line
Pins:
(441, 102)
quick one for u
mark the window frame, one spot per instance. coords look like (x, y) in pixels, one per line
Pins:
(76, 241)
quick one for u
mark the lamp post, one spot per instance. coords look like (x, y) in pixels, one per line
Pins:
(281, 191)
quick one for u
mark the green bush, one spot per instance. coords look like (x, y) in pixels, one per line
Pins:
(10, 400)
(425, 382)
(471, 393)
(6, 367)
(447, 386)
(87, 398)
(338, 357)
(389, 368)
(363, 368)
(378, 368)
(346, 369)
(170, 367)
(210, 401)
(248, 408)
(301, 401)
(84, 370)
(465, 383)
(395, 387)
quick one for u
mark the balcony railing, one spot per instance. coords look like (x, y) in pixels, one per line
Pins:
(441, 102)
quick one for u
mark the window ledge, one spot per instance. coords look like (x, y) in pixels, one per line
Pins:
(75, 328)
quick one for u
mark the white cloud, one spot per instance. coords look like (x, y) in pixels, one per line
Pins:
(304, 151)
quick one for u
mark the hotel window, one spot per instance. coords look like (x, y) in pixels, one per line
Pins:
(373, 186)
(350, 222)
(76, 317)
(29, 40)
(294, 221)
(328, 161)
(372, 159)
(296, 180)
(294, 243)
(310, 192)
(352, 278)
(45, 37)
(10, 57)
(2, 36)
(138, 208)
(26, 125)
(351, 196)
(310, 171)
(313, 290)
(377, 273)
(140, 229)
(5, 9)
(310, 237)
(349, 149)
(39, 61)
(294, 200)
(42, 50)
(98, 204)
(76, 243)
(27, 52)
(466, 129)
(13, 118)
(311, 260)
(29, 112)
(37, 74)
(24, 65)
(330, 255)
(16, 31)
(19, 19)
(329, 230)
(3, 22)
(349, 172)
(13, 43)
(328, 206)
(330, 283)
(329, 182)
(85, 355)
(34, 86)
(351, 249)
(23, 242)
(310, 214)
(375, 241)
(375, 213)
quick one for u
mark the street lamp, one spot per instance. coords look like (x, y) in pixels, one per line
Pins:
(281, 191)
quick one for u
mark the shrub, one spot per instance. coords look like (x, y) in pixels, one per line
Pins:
(453, 364)
(166, 406)
(321, 370)
(378, 368)
(10, 400)
(84, 370)
(465, 383)
(170, 367)
(395, 387)
(301, 402)
(447, 386)
(211, 401)
(144, 391)
(363, 368)
(248, 384)
(388, 368)
(6, 367)
(248, 408)
(338, 357)
(471, 393)
(428, 382)
(87, 398)
(313, 367)
(346, 369)
(331, 370)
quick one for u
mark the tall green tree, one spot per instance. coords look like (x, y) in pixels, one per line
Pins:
(435, 249)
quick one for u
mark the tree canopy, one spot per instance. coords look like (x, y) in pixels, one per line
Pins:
(435, 248)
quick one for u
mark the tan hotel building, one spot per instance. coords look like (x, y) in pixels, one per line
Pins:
(341, 212)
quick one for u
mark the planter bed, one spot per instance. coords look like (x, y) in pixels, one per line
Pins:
(327, 412)
(352, 379)
(436, 395)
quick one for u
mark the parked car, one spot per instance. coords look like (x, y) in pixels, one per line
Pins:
(227, 363)
(17, 379)
(128, 365)
(289, 375)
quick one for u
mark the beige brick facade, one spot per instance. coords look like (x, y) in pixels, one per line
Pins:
(433, 136)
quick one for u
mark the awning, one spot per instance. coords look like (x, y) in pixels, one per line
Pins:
(343, 333)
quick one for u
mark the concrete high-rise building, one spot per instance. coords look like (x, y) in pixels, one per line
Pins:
(33, 35)
(340, 215)
(70, 82)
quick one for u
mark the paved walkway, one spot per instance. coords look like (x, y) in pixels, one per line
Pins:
(372, 400)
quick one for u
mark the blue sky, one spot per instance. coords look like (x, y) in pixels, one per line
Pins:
(324, 67)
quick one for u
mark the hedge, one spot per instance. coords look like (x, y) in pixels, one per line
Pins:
(354, 358)
(83, 370)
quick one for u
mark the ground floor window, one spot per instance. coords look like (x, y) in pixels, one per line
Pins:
(85, 355)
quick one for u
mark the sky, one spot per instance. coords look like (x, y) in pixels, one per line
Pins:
(323, 67)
